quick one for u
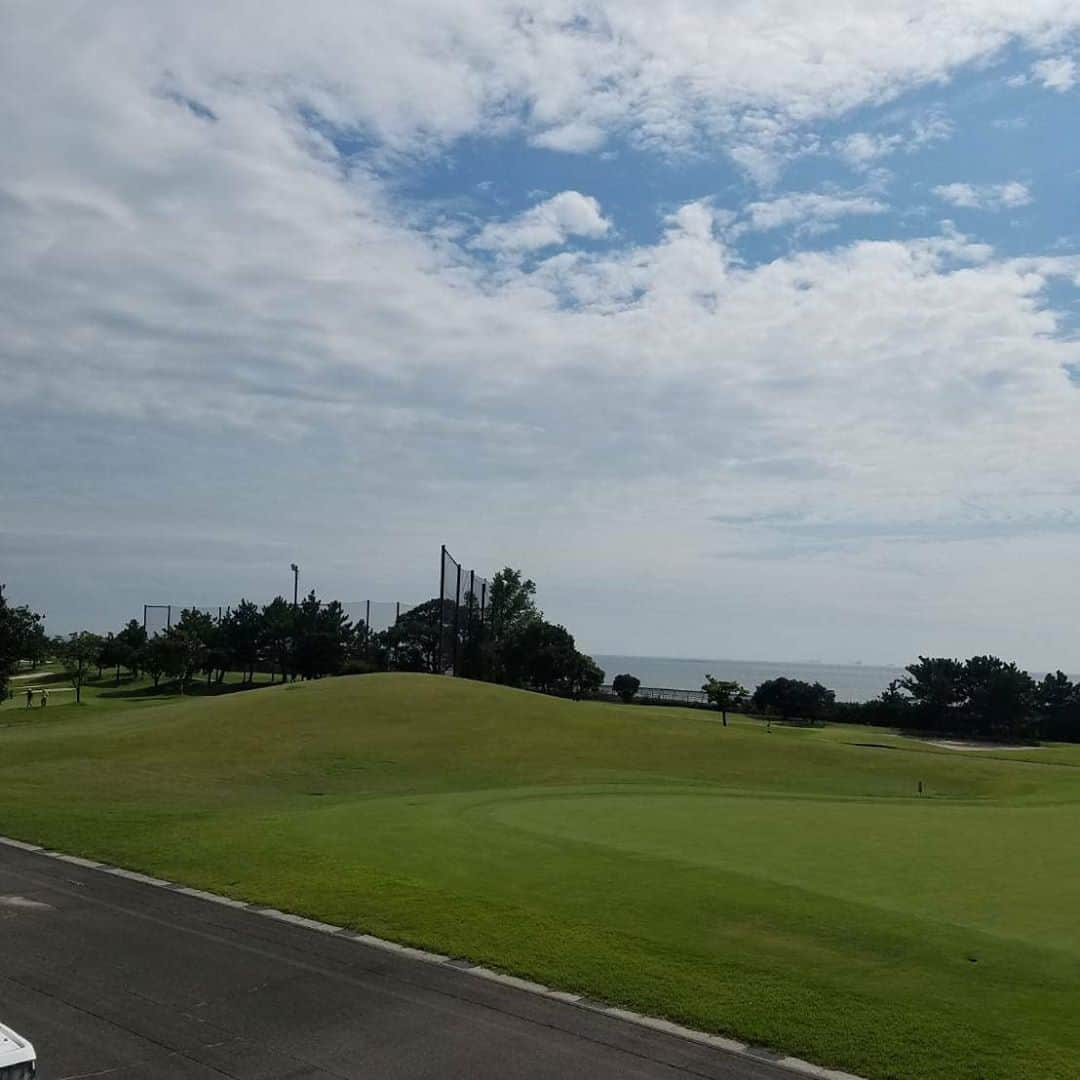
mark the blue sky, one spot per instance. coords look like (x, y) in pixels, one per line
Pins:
(747, 331)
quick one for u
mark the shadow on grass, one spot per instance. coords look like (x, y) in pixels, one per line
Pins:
(172, 689)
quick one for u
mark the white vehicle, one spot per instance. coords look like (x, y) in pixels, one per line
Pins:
(17, 1058)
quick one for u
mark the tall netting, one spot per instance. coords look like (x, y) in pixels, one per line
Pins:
(450, 574)
(158, 618)
(370, 617)
(462, 616)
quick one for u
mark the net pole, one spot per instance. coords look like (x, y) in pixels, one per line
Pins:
(367, 625)
(442, 594)
(469, 616)
(144, 618)
(168, 617)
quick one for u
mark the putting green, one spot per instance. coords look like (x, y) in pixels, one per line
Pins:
(912, 856)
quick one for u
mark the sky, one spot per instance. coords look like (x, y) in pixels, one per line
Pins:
(747, 329)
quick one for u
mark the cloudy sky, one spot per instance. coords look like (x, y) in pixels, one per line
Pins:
(749, 328)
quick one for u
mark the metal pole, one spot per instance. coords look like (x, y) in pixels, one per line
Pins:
(442, 593)
(367, 625)
(469, 614)
(168, 616)
(144, 618)
(295, 584)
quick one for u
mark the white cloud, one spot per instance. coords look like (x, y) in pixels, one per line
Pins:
(800, 207)
(171, 282)
(575, 138)
(863, 148)
(432, 70)
(548, 224)
(1058, 73)
(985, 196)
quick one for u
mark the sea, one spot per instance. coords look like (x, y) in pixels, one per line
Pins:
(850, 682)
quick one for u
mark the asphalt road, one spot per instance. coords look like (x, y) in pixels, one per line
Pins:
(117, 979)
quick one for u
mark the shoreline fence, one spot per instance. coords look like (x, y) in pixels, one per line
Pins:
(660, 695)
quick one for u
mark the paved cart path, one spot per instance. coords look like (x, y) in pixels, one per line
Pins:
(115, 978)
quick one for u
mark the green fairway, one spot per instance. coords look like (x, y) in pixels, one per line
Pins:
(790, 887)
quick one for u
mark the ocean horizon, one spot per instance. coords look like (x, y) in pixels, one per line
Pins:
(850, 682)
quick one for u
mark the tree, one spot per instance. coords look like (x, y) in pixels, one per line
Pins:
(77, 654)
(115, 652)
(510, 608)
(937, 693)
(412, 643)
(323, 635)
(154, 658)
(510, 603)
(626, 686)
(22, 637)
(724, 694)
(278, 628)
(241, 632)
(982, 696)
(542, 656)
(1057, 702)
(196, 637)
(585, 678)
(133, 636)
(793, 698)
(999, 698)
(175, 654)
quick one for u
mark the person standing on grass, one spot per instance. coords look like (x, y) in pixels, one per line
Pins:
(29, 696)
(44, 697)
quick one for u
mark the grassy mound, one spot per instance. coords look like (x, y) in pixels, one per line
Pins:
(790, 887)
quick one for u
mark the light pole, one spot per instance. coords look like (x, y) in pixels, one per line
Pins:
(295, 583)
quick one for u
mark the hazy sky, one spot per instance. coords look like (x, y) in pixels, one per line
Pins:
(748, 329)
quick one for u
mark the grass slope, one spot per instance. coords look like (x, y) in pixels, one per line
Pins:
(789, 887)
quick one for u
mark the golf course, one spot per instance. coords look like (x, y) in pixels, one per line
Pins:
(790, 886)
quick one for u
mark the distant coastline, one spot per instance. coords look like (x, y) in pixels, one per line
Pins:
(850, 682)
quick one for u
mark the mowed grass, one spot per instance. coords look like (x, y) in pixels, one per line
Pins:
(790, 887)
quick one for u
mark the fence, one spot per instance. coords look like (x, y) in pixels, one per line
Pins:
(157, 618)
(661, 695)
(462, 613)
(374, 616)
(368, 616)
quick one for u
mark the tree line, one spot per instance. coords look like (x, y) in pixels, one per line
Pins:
(981, 697)
(513, 644)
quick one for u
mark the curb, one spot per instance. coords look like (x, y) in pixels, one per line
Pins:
(719, 1042)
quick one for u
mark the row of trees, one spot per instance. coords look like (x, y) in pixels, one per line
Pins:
(513, 644)
(983, 697)
(307, 640)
